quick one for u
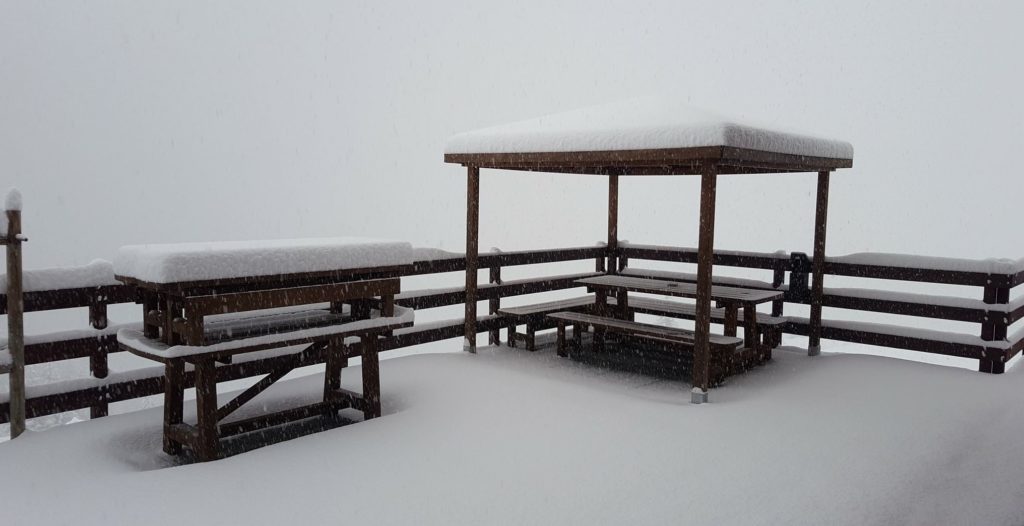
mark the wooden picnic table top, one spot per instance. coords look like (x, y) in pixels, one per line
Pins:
(682, 290)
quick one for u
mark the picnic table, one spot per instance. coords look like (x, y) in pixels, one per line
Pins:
(731, 299)
(209, 302)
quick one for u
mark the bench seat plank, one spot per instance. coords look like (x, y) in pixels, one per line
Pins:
(136, 343)
(547, 307)
(645, 329)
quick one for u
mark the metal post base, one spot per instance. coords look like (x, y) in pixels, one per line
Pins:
(698, 396)
(814, 351)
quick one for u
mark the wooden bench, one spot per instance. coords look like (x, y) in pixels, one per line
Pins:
(535, 317)
(723, 348)
(323, 342)
(771, 327)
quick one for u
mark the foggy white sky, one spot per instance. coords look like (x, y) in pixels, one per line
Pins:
(131, 122)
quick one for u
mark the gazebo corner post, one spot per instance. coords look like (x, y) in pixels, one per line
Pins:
(613, 223)
(705, 260)
(472, 254)
(818, 264)
(15, 320)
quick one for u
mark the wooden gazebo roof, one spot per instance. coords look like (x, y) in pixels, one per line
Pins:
(647, 136)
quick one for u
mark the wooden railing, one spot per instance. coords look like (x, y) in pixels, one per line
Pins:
(99, 343)
(993, 345)
(789, 272)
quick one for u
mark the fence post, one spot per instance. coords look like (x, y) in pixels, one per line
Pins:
(778, 278)
(994, 330)
(98, 366)
(494, 335)
(798, 289)
(15, 314)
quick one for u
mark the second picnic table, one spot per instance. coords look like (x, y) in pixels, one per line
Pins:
(196, 302)
(731, 298)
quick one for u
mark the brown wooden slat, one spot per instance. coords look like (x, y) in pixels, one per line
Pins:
(507, 259)
(643, 329)
(276, 298)
(888, 340)
(257, 423)
(456, 296)
(767, 261)
(677, 289)
(44, 300)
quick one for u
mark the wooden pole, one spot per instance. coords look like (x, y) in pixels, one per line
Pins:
(494, 304)
(705, 259)
(15, 323)
(613, 222)
(818, 265)
(472, 251)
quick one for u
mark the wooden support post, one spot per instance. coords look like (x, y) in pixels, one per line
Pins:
(174, 400)
(613, 223)
(751, 338)
(705, 259)
(15, 323)
(994, 329)
(560, 349)
(778, 279)
(731, 318)
(371, 377)
(472, 261)
(207, 440)
(150, 305)
(601, 309)
(98, 366)
(494, 336)
(818, 265)
(333, 364)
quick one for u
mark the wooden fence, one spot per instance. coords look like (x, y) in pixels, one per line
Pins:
(995, 314)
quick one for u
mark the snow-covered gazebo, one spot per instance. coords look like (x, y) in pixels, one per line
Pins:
(649, 136)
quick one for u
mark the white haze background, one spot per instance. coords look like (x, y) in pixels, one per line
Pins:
(132, 122)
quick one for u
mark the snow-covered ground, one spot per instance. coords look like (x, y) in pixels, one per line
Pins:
(511, 437)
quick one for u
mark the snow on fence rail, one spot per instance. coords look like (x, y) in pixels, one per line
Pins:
(790, 273)
(995, 313)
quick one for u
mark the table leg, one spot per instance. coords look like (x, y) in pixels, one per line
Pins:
(750, 338)
(561, 339)
(731, 318)
(622, 299)
(207, 441)
(371, 378)
(150, 303)
(511, 334)
(360, 309)
(332, 375)
(601, 306)
(174, 400)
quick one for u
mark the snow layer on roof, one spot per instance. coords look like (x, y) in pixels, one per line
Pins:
(169, 263)
(96, 274)
(986, 266)
(639, 124)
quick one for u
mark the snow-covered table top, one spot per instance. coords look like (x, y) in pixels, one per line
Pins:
(193, 262)
(640, 124)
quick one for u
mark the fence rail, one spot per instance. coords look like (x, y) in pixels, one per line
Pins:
(790, 272)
